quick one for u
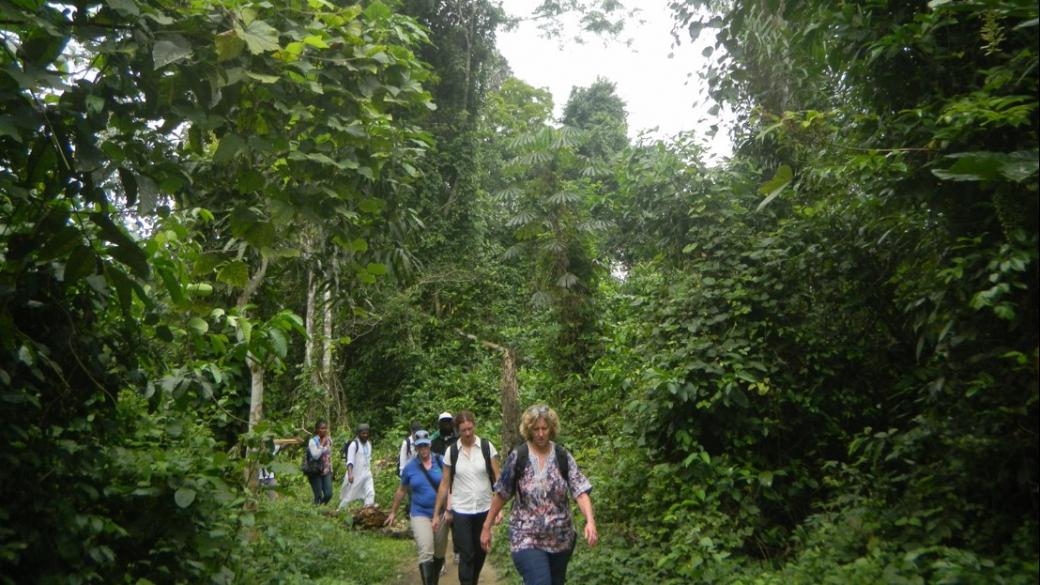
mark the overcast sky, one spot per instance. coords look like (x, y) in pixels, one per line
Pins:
(659, 92)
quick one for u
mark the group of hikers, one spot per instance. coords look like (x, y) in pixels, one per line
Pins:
(455, 479)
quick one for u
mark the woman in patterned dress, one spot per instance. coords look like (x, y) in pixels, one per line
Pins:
(541, 529)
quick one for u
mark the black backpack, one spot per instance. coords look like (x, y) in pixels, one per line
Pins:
(346, 447)
(523, 459)
(485, 450)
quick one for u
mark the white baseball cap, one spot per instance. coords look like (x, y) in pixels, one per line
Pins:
(445, 415)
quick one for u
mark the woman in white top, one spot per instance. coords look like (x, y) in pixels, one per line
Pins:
(470, 469)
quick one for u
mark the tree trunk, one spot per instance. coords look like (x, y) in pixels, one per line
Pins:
(326, 354)
(509, 389)
(256, 369)
(256, 395)
(312, 327)
(510, 400)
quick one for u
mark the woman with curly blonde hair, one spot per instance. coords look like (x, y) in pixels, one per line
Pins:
(539, 474)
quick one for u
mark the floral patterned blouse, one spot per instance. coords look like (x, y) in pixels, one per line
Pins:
(322, 448)
(541, 517)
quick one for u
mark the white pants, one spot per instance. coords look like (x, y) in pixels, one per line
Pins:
(429, 545)
(363, 488)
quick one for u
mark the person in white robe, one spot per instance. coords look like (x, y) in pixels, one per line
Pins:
(357, 482)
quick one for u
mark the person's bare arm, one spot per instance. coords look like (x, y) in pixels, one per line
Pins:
(441, 503)
(497, 503)
(398, 496)
(585, 505)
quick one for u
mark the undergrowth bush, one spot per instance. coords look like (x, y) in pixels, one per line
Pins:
(297, 542)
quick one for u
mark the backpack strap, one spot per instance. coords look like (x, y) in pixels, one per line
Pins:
(453, 454)
(523, 459)
(346, 449)
(563, 464)
(485, 449)
(429, 478)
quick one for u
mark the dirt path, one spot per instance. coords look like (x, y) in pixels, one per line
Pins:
(409, 572)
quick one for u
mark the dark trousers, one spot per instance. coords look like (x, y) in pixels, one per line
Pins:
(539, 567)
(466, 534)
(321, 485)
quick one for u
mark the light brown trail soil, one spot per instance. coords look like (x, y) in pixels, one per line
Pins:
(409, 572)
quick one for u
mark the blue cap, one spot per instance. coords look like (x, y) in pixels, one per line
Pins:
(422, 438)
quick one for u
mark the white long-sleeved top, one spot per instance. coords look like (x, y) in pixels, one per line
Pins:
(359, 456)
(316, 449)
(406, 454)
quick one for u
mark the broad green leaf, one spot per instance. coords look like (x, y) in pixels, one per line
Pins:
(316, 41)
(378, 11)
(184, 497)
(766, 478)
(258, 36)
(775, 186)
(81, 262)
(199, 326)
(376, 268)
(128, 7)
(170, 49)
(229, 147)
(60, 243)
(278, 342)
(122, 284)
(261, 234)
(228, 46)
(263, 78)
(8, 128)
(245, 330)
(132, 256)
(199, 289)
(94, 103)
(371, 205)
(172, 283)
(234, 273)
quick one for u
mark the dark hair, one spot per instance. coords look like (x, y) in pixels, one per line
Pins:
(464, 416)
(320, 422)
(414, 426)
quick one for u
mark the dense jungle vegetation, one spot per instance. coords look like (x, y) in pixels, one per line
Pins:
(814, 362)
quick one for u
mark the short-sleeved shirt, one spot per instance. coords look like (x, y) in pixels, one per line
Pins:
(424, 495)
(541, 517)
(471, 492)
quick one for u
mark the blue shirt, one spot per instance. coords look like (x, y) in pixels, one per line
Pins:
(423, 494)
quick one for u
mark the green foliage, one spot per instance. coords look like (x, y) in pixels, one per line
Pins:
(211, 130)
(295, 542)
(837, 330)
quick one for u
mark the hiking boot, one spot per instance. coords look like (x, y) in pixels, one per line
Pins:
(428, 573)
(439, 569)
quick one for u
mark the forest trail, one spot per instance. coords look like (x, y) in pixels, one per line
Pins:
(408, 572)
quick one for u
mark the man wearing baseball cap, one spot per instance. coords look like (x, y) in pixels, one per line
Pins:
(445, 434)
